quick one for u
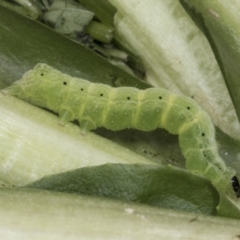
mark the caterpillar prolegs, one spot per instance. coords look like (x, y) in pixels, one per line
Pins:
(98, 105)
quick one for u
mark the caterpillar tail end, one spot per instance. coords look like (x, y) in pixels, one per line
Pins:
(229, 180)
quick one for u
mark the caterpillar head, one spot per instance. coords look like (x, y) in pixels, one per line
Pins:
(38, 85)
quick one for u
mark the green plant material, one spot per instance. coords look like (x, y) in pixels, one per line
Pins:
(219, 21)
(67, 18)
(14, 7)
(100, 105)
(105, 13)
(226, 208)
(29, 8)
(176, 55)
(116, 53)
(103, 10)
(152, 145)
(166, 187)
(58, 152)
(160, 144)
(115, 57)
(228, 149)
(25, 42)
(122, 65)
(54, 49)
(33, 214)
(33, 145)
(99, 31)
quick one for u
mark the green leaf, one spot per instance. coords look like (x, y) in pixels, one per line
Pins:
(33, 145)
(219, 20)
(103, 10)
(176, 55)
(28, 8)
(226, 208)
(28, 214)
(25, 42)
(163, 187)
(67, 17)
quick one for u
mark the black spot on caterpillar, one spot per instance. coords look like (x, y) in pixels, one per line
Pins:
(97, 105)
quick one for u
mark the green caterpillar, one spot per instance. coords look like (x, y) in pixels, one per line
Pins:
(97, 105)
